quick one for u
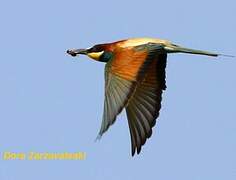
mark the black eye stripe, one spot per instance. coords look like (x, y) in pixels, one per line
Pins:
(96, 48)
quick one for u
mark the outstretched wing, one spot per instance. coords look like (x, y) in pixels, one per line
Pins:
(122, 74)
(144, 106)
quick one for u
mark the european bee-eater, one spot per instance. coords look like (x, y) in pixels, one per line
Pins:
(134, 80)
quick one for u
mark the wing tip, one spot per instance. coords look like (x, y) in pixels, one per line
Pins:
(133, 152)
(98, 138)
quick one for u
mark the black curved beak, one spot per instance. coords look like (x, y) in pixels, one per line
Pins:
(75, 52)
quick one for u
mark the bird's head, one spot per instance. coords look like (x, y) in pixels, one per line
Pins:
(97, 52)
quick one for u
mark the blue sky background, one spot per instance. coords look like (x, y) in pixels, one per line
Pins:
(51, 102)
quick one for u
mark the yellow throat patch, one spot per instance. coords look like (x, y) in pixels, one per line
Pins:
(95, 55)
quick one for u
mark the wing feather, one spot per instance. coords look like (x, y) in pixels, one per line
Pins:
(122, 73)
(135, 79)
(144, 106)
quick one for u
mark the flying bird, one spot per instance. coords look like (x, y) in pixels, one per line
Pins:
(134, 81)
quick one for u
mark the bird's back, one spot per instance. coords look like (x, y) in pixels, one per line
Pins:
(139, 41)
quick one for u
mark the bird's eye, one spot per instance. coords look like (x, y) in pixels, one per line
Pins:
(96, 48)
(92, 49)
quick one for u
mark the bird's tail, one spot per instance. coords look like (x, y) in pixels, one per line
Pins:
(178, 49)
